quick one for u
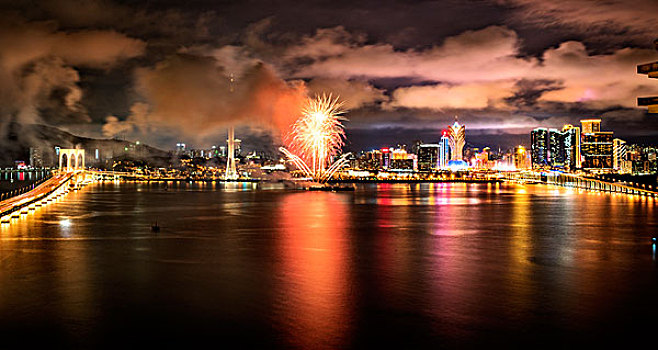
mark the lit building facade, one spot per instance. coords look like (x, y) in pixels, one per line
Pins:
(556, 149)
(597, 149)
(444, 150)
(386, 158)
(596, 146)
(428, 157)
(590, 125)
(572, 146)
(539, 147)
(619, 155)
(457, 140)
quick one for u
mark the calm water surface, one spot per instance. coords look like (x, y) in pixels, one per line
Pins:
(430, 265)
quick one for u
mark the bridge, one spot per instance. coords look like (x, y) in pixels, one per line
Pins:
(582, 182)
(71, 175)
(43, 194)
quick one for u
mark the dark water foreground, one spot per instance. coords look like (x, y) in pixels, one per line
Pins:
(407, 266)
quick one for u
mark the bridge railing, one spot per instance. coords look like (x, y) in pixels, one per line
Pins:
(23, 189)
(582, 182)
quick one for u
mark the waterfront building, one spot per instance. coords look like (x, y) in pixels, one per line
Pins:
(556, 149)
(370, 160)
(597, 149)
(572, 146)
(444, 150)
(428, 156)
(539, 147)
(618, 155)
(457, 140)
(596, 146)
(386, 158)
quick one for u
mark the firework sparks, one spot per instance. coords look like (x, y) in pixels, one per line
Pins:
(316, 137)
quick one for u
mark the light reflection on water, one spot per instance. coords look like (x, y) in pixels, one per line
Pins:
(418, 265)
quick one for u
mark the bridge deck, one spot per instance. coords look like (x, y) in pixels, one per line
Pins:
(10, 205)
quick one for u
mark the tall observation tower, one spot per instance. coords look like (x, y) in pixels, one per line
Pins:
(651, 70)
(231, 171)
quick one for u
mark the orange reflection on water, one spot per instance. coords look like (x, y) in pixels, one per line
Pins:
(314, 281)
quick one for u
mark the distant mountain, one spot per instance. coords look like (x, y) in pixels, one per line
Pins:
(19, 138)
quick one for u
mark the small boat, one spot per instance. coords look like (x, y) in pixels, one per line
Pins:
(155, 227)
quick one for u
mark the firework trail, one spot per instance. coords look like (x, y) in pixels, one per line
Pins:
(317, 137)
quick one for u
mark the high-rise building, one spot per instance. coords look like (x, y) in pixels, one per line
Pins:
(591, 125)
(572, 146)
(597, 150)
(457, 140)
(386, 157)
(618, 154)
(557, 152)
(444, 150)
(539, 147)
(596, 146)
(428, 157)
(556, 149)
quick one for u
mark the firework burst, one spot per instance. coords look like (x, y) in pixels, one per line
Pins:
(317, 137)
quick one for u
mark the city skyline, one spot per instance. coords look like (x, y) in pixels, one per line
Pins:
(527, 64)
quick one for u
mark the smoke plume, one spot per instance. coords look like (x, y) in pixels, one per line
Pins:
(197, 98)
(39, 76)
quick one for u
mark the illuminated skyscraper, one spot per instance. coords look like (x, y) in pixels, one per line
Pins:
(539, 147)
(386, 158)
(618, 154)
(596, 146)
(556, 149)
(572, 146)
(457, 140)
(428, 156)
(444, 150)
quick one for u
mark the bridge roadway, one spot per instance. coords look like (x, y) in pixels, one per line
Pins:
(578, 181)
(16, 203)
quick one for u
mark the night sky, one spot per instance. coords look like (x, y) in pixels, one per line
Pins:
(157, 71)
